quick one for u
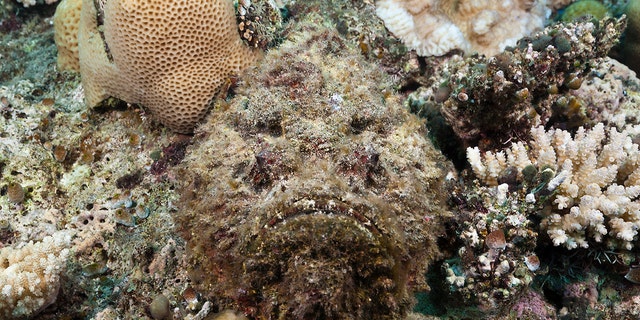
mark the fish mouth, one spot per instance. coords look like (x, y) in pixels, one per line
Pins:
(321, 253)
(328, 207)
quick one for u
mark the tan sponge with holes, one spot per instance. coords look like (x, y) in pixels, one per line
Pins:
(171, 56)
(65, 23)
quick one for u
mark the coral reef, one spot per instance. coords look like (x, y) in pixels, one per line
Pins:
(434, 28)
(312, 194)
(312, 146)
(591, 185)
(172, 58)
(490, 101)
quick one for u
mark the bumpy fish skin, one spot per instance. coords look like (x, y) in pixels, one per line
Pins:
(313, 194)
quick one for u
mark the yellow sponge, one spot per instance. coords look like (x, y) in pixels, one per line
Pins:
(170, 56)
(65, 24)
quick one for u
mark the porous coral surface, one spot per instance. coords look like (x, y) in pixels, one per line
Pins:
(170, 56)
(66, 22)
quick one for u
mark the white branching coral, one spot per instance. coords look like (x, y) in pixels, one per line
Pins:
(592, 182)
(30, 275)
(29, 3)
(435, 27)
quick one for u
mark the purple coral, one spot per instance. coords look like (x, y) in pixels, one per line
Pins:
(532, 305)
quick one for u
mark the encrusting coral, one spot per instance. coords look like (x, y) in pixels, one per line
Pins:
(172, 57)
(433, 28)
(590, 187)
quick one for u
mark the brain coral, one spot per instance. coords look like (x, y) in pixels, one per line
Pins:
(170, 56)
(435, 27)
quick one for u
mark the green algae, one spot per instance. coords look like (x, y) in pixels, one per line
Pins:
(585, 8)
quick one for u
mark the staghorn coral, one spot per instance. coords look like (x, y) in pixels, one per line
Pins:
(172, 57)
(312, 195)
(433, 28)
(30, 275)
(591, 184)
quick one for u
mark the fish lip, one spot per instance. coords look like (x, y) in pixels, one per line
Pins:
(328, 206)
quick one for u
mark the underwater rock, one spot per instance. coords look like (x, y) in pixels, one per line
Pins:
(491, 101)
(312, 194)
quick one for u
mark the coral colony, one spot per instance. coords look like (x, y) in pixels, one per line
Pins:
(277, 159)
